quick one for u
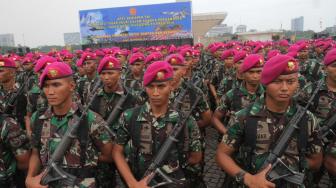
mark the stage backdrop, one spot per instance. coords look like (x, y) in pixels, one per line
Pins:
(136, 23)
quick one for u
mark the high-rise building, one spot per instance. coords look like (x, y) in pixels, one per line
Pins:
(72, 38)
(241, 29)
(297, 24)
(7, 40)
(220, 30)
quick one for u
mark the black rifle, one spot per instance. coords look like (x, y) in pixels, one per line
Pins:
(154, 167)
(9, 106)
(53, 172)
(327, 131)
(279, 169)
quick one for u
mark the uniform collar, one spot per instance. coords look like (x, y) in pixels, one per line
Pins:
(146, 112)
(260, 90)
(48, 114)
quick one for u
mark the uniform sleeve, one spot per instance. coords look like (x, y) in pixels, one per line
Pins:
(122, 134)
(225, 102)
(99, 131)
(314, 143)
(195, 144)
(34, 140)
(15, 138)
(234, 136)
(331, 149)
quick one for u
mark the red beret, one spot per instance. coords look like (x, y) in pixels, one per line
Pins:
(330, 57)
(7, 62)
(158, 71)
(303, 46)
(121, 52)
(226, 54)
(79, 62)
(276, 66)
(55, 70)
(293, 48)
(284, 43)
(186, 52)
(217, 47)
(109, 63)
(239, 56)
(136, 57)
(154, 56)
(175, 59)
(258, 48)
(252, 61)
(272, 53)
(28, 60)
(89, 56)
(172, 49)
(68, 56)
(42, 62)
(99, 53)
(292, 54)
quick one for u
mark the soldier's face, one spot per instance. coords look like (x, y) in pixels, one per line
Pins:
(121, 58)
(237, 67)
(283, 88)
(110, 77)
(6, 74)
(252, 76)
(58, 91)
(28, 66)
(228, 62)
(158, 93)
(81, 71)
(179, 72)
(90, 66)
(137, 68)
(331, 71)
(303, 54)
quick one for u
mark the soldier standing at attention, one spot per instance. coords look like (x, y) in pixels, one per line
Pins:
(92, 143)
(254, 131)
(141, 132)
(239, 98)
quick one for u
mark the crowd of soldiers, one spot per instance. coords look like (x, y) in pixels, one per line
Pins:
(89, 117)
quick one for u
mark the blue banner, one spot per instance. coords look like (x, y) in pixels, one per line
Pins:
(136, 23)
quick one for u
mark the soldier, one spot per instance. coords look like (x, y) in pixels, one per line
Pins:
(92, 144)
(141, 132)
(15, 151)
(227, 83)
(136, 66)
(28, 75)
(330, 162)
(36, 100)
(269, 116)
(86, 85)
(9, 91)
(201, 113)
(239, 98)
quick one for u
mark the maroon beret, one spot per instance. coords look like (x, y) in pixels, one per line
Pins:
(239, 56)
(276, 66)
(158, 71)
(330, 57)
(109, 63)
(252, 61)
(136, 57)
(175, 59)
(55, 70)
(227, 54)
(7, 63)
(43, 62)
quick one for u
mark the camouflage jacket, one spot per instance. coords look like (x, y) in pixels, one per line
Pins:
(150, 135)
(331, 150)
(18, 110)
(36, 100)
(220, 72)
(270, 125)
(85, 87)
(188, 100)
(14, 142)
(227, 84)
(238, 98)
(104, 103)
(311, 69)
(324, 103)
(53, 128)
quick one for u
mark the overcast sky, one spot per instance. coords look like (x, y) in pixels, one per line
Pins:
(43, 22)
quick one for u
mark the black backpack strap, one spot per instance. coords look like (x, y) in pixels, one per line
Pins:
(315, 71)
(302, 140)
(37, 128)
(134, 129)
(250, 137)
(83, 137)
(236, 100)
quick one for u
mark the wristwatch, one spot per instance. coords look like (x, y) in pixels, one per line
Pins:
(239, 177)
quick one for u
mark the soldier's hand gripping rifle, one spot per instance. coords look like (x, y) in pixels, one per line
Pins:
(53, 172)
(327, 131)
(279, 169)
(9, 106)
(154, 167)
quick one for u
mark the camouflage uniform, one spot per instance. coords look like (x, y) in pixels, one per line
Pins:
(14, 142)
(238, 98)
(194, 172)
(269, 128)
(331, 150)
(220, 72)
(54, 127)
(314, 70)
(85, 88)
(324, 103)
(227, 84)
(141, 146)
(104, 104)
(137, 90)
(36, 100)
(18, 111)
